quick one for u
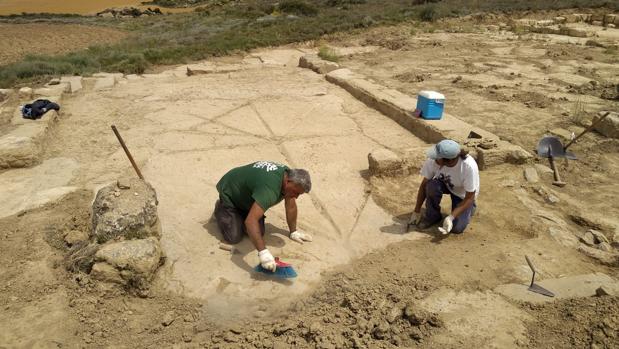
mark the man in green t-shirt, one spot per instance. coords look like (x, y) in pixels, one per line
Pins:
(246, 192)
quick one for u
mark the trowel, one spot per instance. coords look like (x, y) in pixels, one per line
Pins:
(535, 287)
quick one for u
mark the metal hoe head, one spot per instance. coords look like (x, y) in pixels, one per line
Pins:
(535, 287)
(551, 146)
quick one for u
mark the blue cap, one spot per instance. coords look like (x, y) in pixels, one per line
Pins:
(445, 149)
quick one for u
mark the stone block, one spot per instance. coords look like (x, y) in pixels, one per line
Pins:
(22, 146)
(384, 161)
(504, 153)
(577, 33)
(129, 213)
(598, 17)
(599, 23)
(607, 258)
(115, 76)
(559, 20)
(609, 127)
(588, 239)
(132, 259)
(106, 273)
(52, 91)
(5, 93)
(75, 83)
(103, 83)
(25, 93)
(530, 174)
(610, 18)
(610, 25)
(317, 64)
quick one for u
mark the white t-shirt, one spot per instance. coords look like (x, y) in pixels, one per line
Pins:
(462, 178)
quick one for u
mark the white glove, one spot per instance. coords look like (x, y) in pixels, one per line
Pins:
(415, 218)
(266, 260)
(448, 224)
(300, 236)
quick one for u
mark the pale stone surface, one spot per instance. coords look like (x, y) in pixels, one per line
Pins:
(24, 189)
(578, 286)
(104, 83)
(609, 127)
(22, 146)
(315, 63)
(530, 174)
(185, 135)
(25, 93)
(383, 161)
(130, 213)
(75, 83)
(132, 258)
(608, 258)
(588, 239)
(400, 108)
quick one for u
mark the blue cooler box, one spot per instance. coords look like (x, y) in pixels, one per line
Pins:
(430, 105)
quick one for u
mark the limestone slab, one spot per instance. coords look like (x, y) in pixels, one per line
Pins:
(578, 286)
(24, 189)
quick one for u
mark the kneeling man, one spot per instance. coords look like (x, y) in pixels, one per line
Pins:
(448, 170)
(246, 192)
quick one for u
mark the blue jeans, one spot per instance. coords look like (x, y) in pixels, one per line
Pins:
(435, 189)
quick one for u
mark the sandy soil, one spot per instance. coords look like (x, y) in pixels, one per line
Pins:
(379, 287)
(19, 40)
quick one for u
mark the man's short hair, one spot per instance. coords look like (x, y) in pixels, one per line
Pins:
(301, 177)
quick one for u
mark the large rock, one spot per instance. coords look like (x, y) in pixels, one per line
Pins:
(384, 161)
(609, 127)
(608, 258)
(125, 213)
(132, 261)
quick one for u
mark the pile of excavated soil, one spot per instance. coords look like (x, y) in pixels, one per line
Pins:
(575, 323)
(19, 40)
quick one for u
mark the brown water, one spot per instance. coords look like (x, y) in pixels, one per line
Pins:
(8, 7)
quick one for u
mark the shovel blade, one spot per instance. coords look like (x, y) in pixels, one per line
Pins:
(539, 289)
(552, 146)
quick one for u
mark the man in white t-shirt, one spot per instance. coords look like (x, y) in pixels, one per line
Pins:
(448, 170)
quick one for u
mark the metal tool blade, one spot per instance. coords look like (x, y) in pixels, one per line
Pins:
(539, 289)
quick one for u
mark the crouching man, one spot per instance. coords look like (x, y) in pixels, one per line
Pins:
(448, 170)
(246, 192)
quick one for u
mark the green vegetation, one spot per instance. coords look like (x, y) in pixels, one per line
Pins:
(328, 54)
(222, 27)
(299, 8)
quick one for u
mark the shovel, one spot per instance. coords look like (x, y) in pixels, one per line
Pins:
(552, 144)
(535, 287)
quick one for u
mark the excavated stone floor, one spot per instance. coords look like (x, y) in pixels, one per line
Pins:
(186, 132)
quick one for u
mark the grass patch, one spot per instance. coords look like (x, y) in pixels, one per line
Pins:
(222, 27)
(328, 54)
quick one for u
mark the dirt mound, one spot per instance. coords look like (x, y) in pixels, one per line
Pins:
(575, 323)
(350, 310)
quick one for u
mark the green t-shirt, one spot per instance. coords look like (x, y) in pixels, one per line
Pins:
(259, 182)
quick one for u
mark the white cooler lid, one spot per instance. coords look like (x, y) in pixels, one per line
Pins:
(431, 95)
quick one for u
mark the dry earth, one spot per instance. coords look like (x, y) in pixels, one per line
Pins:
(421, 290)
(19, 40)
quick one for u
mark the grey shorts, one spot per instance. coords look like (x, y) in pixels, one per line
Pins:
(231, 222)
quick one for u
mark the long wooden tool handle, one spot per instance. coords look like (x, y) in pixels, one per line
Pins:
(122, 143)
(587, 129)
(555, 171)
(532, 268)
